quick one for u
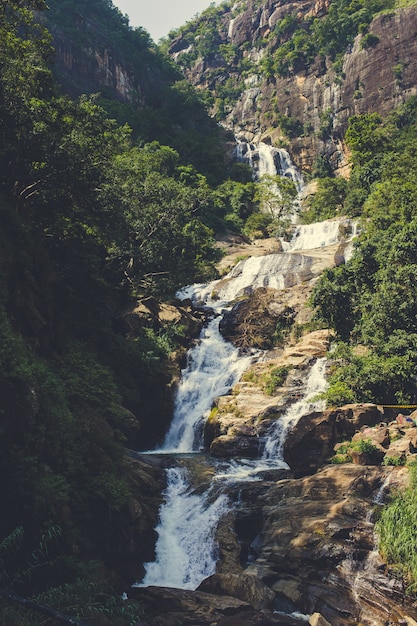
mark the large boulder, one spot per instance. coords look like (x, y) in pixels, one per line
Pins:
(310, 444)
(248, 588)
(235, 446)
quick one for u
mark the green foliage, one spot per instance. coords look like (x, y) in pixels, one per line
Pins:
(370, 301)
(274, 379)
(394, 461)
(276, 196)
(397, 532)
(90, 221)
(257, 225)
(270, 380)
(369, 41)
(327, 202)
(37, 571)
(344, 453)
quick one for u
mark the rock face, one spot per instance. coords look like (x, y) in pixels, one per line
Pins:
(310, 445)
(315, 548)
(375, 78)
(239, 423)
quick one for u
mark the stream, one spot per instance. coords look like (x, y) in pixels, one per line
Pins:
(186, 549)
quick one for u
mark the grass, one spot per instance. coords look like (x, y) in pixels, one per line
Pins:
(397, 531)
(270, 380)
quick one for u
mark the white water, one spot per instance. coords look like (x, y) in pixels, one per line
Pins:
(316, 383)
(186, 547)
(276, 271)
(213, 367)
(321, 234)
(267, 160)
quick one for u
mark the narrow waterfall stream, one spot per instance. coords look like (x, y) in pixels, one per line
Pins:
(186, 550)
(316, 383)
(213, 367)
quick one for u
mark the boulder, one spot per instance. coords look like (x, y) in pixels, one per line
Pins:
(245, 587)
(229, 446)
(310, 444)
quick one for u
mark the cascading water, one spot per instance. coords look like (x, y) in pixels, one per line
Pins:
(316, 383)
(214, 366)
(267, 160)
(186, 546)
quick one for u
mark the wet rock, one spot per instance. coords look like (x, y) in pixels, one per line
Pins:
(169, 607)
(243, 586)
(232, 446)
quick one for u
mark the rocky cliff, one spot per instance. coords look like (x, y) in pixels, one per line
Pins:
(306, 105)
(97, 52)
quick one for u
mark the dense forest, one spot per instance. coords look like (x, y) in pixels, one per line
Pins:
(94, 217)
(106, 203)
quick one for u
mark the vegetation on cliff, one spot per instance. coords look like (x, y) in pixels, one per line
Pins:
(370, 301)
(295, 42)
(152, 97)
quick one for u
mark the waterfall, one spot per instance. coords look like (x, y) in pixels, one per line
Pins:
(186, 551)
(315, 384)
(213, 367)
(321, 234)
(267, 160)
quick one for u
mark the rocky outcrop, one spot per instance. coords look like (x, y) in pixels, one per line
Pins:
(311, 443)
(316, 546)
(174, 606)
(238, 424)
(374, 78)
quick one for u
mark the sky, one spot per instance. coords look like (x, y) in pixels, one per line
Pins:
(158, 17)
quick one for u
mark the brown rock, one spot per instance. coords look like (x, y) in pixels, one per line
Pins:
(248, 588)
(379, 436)
(229, 446)
(311, 442)
(374, 457)
(318, 620)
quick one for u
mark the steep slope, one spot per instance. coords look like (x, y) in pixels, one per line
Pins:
(96, 51)
(294, 72)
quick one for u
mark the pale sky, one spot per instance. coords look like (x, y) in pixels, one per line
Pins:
(158, 17)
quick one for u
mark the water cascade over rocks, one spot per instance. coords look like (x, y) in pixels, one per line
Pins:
(316, 383)
(186, 551)
(213, 367)
(267, 160)
(197, 500)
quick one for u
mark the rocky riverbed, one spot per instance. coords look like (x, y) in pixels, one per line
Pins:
(297, 544)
